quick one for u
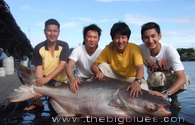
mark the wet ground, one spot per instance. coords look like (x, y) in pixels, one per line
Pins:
(14, 114)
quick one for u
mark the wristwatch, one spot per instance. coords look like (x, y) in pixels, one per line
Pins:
(168, 95)
(166, 92)
(139, 80)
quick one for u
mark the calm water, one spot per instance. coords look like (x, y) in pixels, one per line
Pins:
(187, 98)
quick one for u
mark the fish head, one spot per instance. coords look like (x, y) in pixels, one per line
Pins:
(145, 105)
(154, 107)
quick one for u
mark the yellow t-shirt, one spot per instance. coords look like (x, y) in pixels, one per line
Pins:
(125, 63)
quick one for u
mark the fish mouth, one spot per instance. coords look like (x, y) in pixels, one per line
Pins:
(165, 109)
(166, 106)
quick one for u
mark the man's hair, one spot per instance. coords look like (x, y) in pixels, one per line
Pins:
(120, 28)
(92, 27)
(52, 22)
(150, 25)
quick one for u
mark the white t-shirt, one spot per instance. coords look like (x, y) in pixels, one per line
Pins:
(84, 61)
(167, 60)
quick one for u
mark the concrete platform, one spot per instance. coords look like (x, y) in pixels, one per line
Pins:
(8, 84)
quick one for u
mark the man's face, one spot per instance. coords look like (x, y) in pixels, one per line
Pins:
(91, 39)
(52, 32)
(120, 42)
(151, 38)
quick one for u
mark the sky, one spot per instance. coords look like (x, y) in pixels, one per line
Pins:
(175, 17)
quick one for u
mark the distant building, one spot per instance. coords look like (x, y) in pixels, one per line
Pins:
(14, 42)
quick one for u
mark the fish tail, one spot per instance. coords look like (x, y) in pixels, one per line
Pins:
(25, 75)
(24, 92)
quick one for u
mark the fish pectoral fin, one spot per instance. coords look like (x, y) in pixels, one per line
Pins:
(116, 103)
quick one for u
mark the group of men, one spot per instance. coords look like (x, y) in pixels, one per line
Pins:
(120, 59)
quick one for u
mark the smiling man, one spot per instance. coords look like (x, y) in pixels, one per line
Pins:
(121, 60)
(50, 59)
(83, 56)
(166, 72)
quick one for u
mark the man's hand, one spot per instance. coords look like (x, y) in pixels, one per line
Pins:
(74, 85)
(99, 76)
(41, 81)
(156, 93)
(135, 89)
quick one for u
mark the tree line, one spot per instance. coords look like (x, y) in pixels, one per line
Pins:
(187, 54)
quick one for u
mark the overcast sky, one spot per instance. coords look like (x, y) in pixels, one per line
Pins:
(176, 18)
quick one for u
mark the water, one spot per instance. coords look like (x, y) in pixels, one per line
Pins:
(187, 98)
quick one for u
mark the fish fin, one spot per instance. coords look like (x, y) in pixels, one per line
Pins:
(115, 102)
(24, 92)
(25, 75)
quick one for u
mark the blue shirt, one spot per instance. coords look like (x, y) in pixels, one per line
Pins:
(2, 55)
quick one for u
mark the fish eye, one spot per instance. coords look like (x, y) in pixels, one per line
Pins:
(152, 108)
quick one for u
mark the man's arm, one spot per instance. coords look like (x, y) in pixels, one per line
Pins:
(39, 71)
(98, 74)
(73, 81)
(176, 86)
(58, 70)
(135, 86)
(43, 80)
(69, 70)
(139, 71)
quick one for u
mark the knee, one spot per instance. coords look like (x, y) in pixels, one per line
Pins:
(144, 85)
(156, 79)
(103, 65)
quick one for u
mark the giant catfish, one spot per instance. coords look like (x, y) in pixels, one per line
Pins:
(94, 98)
